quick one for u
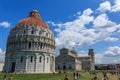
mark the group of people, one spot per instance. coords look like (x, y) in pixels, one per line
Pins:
(5, 77)
(75, 76)
(105, 75)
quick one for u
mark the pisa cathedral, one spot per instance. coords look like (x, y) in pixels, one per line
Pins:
(30, 46)
(31, 49)
(69, 60)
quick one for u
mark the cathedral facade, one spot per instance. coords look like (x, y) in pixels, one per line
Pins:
(30, 46)
(69, 60)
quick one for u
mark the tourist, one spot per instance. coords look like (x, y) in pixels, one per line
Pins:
(10, 77)
(74, 75)
(77, 74)
(105, 76)
(95, 77)
(66, 78)
(5, 77)
(119, 76)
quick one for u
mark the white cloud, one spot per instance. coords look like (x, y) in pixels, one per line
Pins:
(105, 6)
(82, 53)
(118, 32)
(102, 21)
(98, 58)
(0, 51)
(112, 51)
(78, 13)
(72, 33)
(116, 6)
(2, 55)
(102, 58)
(109, 39)
(104, 26)
(116, 61)
(75, 33)
(5, 24)
(57, 30)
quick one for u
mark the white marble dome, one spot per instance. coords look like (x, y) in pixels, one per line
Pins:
(30, 46)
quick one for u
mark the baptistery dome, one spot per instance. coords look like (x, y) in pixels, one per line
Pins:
(33, 20)
(30, 46)
(32, 34)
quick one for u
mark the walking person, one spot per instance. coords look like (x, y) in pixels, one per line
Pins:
(77, 75)
(74, 75)
(66, 78)
(5, 77)
(10, 78)
(95, 77)
(119, 76)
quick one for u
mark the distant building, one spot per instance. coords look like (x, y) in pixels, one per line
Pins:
(115, 66)
(69, 60)
(110, 66)
(30, 46)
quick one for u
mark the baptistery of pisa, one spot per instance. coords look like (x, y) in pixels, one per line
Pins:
(30, 46)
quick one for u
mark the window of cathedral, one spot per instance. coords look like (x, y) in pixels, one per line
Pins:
(21, 60)
(40, 32)
(70, 67)
(32, 32)
(24, 32)
(41, 45)
(58, 66)
(31, 59)
(13, 45)
(29, 45)
(40, 59)
(46, 34)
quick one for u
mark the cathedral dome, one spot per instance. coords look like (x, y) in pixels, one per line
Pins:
(33, 20)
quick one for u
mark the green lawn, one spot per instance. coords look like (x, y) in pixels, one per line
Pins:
(57, 76)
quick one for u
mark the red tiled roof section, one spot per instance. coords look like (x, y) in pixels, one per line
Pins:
(33, 20)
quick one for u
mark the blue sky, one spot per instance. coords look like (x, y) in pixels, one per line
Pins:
(78, 23)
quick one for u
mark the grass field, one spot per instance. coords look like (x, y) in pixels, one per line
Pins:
(57, 76)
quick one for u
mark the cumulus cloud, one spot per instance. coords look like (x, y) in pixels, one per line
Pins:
(118, 32)
(72, 33)
(2, 55)
(75, 33)
(102, 21)
(2, 52)
(109, 39)
(98, 58)
(116, 6)
(112, 51)
(104, 26)
(111, 55)
(105, 6)
(116, 61)
(4, 24)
